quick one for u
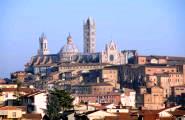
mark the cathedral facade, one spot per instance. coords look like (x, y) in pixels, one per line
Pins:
(112, 55)
(69, 53)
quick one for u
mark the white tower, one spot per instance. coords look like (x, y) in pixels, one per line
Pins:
(89, 36)
(43, 45)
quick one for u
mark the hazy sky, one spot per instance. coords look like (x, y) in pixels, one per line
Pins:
(149, 26)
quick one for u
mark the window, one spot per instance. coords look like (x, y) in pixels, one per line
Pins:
(93, 33)
(14, 114)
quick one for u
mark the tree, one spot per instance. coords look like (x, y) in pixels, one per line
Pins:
(53, 107)
(58, 100)
(65, 100)
(17, 92)
(19, 85)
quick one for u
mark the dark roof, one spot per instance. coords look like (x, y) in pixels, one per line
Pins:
(87, 58)
(178, 112)
(119, 116)
(82, 64)
(175, 58)
(32, 116)
(34, 93)
(9, 108)
(26, 90)
(44, 60)
(95, 84)
(94, 95)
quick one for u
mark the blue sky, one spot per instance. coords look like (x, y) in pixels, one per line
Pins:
(149, 26)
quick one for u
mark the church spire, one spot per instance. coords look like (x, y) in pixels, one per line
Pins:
(69, 39)
(43, 45)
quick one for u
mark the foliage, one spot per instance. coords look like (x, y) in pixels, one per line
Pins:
(58, 100)
(53, 107)
(65, 100)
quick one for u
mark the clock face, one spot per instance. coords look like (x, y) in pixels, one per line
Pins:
(111, 57)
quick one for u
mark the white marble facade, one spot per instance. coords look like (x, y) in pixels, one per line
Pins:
(111, 54)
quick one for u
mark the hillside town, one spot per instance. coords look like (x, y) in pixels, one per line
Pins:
(111, 84)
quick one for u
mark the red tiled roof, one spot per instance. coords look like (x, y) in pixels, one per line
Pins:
(9, 108)
(26, 90)
(34, 93)
(100, 107)
(98, 94)
(32, 116)
(167, 118)
(2, 81)
(120, 116)
(177, 112)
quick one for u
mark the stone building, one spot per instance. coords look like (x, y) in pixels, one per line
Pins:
(43, 43)
(128, 98)
(153, 99)
(98, 98)
(155, 59)
(110, 74)
(129, 56)
(44, 63)
(19, 75)
(89, 28)
(139, 75)
(178, 95)
(93, 88)
(68, 51)
(111, 54)
(166, 81)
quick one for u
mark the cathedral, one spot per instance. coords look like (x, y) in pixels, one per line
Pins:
(44, 62)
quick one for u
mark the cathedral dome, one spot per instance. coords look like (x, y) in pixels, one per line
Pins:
(68, 50)
(70, 47)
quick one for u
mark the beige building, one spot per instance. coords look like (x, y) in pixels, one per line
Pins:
(17, 113)
(151, 60)
(110, 75)
(96, 88)
(12, 93)
(155, 59)
(8, 85)
(65, 67)
(166, 81)
(153, 99)
(140, 75)
(11, 112)
(178, 90)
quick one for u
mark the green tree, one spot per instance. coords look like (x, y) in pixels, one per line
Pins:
(58, 100)
(65, 100)
(17, 92)
(53, 107)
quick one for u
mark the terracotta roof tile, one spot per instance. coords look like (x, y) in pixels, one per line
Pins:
(178, 112)
(120, 116)
(32, 116)
(9, 108)
(26, 90)
(34, 93)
